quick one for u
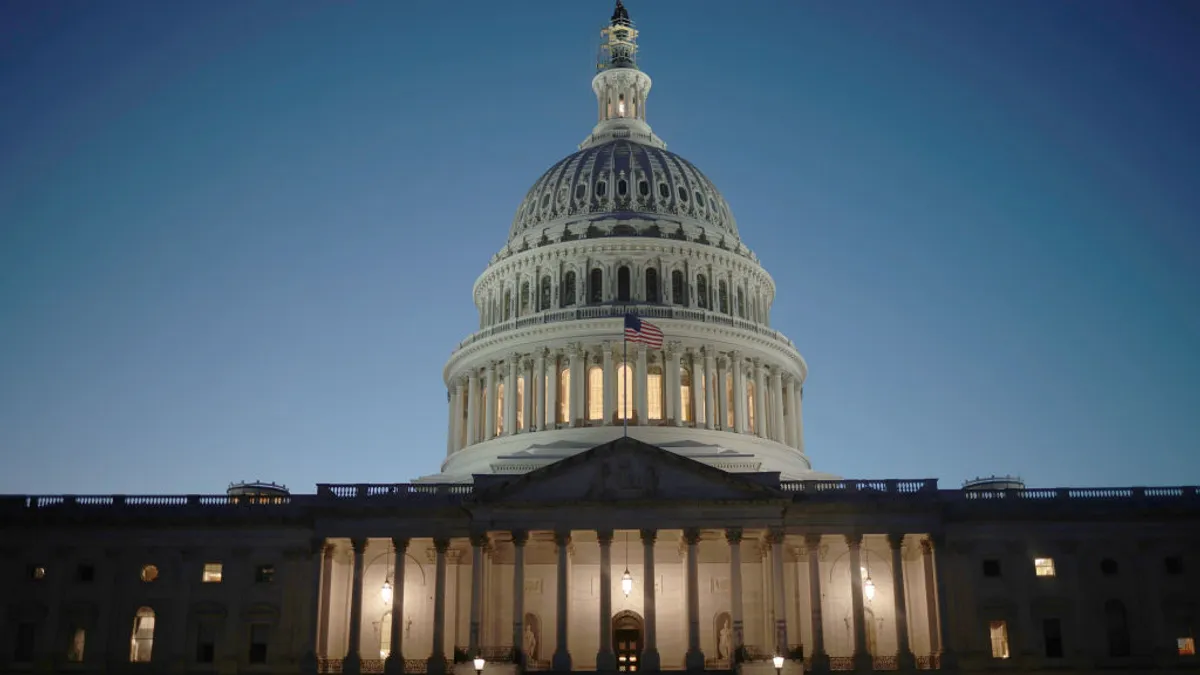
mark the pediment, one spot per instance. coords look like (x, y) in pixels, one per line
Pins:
(626, 470)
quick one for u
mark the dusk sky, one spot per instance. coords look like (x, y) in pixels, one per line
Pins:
(238, 239)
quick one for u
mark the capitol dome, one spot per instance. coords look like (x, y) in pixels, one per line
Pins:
(624, 228)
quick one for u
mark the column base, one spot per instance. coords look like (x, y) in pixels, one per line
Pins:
(820, 662)
(394, 664)
(863, 662)
(906, 661)
(606, 661)
(436, 665)
(650, 660)
(561, 661)
(694, 660)
(352, 665)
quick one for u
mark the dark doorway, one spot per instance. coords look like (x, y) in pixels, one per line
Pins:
(627, 641)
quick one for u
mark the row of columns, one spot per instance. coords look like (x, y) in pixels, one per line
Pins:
(650, 660)
(777, 412)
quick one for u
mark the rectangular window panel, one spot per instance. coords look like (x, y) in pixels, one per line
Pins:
(595, 393)
(521, 404)
(698, 390)
(212, 573)
(624, 393)
(1044, 567)
(1187, 646)
(264, 574)
(654, 396)
(998, 631)
(75, 649)
(685, 400)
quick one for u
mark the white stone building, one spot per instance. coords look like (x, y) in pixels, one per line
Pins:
(604, 509)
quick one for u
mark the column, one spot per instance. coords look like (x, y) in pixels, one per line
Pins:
(394, 665)
(489, 403)
(552, 391)
(777, 404)
(819, 658)
(519, 537)
(460, 389)
(610, 385)
(575, 363)
(760, 399)
(606, 660)
(781, 636)
(353, 662)
(739, 394)
(948, 660)
(649, 660)
(450, 402)
(478, 539)
(674, 383)
(473, 408)
(437, 658)
(862, 659)
(904, 655)
(318, 550)
(694, 660)
(562, 654)
(711, 381)
(527, 404)
(326, 602)
(510, 396)
(733, 535)
(639, 377)
(789, 427)
(798, 405)
(539, 391)
(931, 604)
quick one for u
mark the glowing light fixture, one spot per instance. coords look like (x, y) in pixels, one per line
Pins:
(868, 584)
(778, 661)
(627, 578)
(479, 664)
(386, 591)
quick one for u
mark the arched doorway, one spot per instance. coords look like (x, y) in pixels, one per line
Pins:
(627, 634)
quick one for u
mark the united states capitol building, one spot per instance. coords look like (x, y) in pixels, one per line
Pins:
(610, 507)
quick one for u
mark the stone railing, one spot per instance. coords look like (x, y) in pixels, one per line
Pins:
(1044, 494)
(891, 486)
(418, 490)
(929, 662)
(139, 501)
(616, 311)
(884, 663)
(841, 663)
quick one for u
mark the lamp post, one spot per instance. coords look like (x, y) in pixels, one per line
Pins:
(479, 664)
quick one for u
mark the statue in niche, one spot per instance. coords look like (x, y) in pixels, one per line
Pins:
(724, 637)
(530, 643)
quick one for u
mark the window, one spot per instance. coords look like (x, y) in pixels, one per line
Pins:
(683, 194)
(520, 403)
(998, 630)
(741, 302)
(499, 430)
(37, 572)
(507, 305)
(1117, 627)
(141, 643)
(991, 568)
(698, 390)
(643, 188)
(524, 297)
(264, 574)
(1186, 645)
(624, 395)
(580, 191)
(568, 293)
(651, 285)
(654, 393)
(1052, 638)
(149, 573)
(23, 647)
(677, 287)
(685, 393)
(729, 400)
(664, 191)
(722, 297)
(1108, 567)
(702, 291)
(596, 286)
(258, 642)
(622, 187)
(85, 573)
(1173, 565)
(212, 573)
(206, 642)
(601, 189)
(750, 407)
(545, 294)
(623, 284)
(75, 649)
(564, 395)
(595, 393)
(1043, 567)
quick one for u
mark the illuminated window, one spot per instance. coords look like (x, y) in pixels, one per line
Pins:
(1187, 646)
(654, 393)
(621, 106)
(212, 573)
(1044, 567)
(595, 393)
(564, 395)
(624, 395)
(729, 401)
(499, 408)
(37, 572)
(685, 393)
(699, 395)
(264, 574)
(141, 643)
(149, 573)
(998, 631)
(521, 403)
(750, 407)
(75, 649)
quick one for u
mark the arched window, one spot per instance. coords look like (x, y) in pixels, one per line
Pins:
(521, 404)
(564, 395)
(702, 291)
(545, 295)
(685, 392)
(624, 392)
(595, 393)
(524, 297)
(499, 408)
(141, 643)
(568, 292)
(741, 302)
(729, 401)
(507, 305)
(677, 287)
(750, 416)
(623, 284)
(654, 393)
(722, 297)
(1117, 625)
(651, 284)
(596, 286)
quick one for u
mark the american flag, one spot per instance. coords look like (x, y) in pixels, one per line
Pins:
(644, 332)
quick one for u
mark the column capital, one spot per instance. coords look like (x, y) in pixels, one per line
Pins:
(895, 539)
(607, 347)
(491, 367)
(722, 361)
(926, 546)
(649, 536)
(562, 537)
(479, 539)
(527, 363)
(812, 540)
(519, 537)
(691, 536)
(573, 349)
(604, 536)
(461, 380)
(853, 540)
(473, 375)
(441, 544)
(673, 348)
(515, 357)
(400, 544)
(775, 535)
(735, 355)
(359, 544)
(733, 535)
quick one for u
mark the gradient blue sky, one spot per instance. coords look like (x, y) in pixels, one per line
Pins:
(237, 239)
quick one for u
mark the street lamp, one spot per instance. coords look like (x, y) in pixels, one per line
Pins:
(479, 664)
(778, 661)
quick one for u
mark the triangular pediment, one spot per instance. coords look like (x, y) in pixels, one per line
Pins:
(626, 470)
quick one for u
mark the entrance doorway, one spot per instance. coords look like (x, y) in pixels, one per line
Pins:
(627, 637)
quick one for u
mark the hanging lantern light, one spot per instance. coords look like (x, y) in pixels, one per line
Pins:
(627, 578)
(386, 592)
(869, 588)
